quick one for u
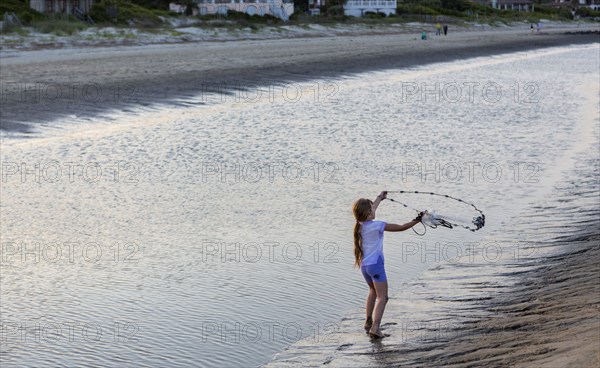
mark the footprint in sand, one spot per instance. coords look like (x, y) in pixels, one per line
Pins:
(374, 338)
(343, 347)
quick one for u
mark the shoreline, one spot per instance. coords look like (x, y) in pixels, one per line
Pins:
(537, 309)
(92, 82)
(550, 320)
(540, 307)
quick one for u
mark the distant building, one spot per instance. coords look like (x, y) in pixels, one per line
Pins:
(528, 5)
(358, 8)
(181, 9)
(592, 4)
(561, 4)
(518, 5)
(177, 8)
(277, 8)
(314, 6)
(568, 4)
(71, 7)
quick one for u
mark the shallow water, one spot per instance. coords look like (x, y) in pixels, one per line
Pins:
(217, 234)
(475, 307)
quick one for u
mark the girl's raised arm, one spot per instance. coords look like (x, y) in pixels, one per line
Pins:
(380, 197)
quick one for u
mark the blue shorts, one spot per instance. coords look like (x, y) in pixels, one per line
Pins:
(374, 272)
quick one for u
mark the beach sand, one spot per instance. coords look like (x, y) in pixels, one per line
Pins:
(539, 307)
(41, 86)
(548, 315)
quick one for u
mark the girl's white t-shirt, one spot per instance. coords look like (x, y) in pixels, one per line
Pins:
(372, 241)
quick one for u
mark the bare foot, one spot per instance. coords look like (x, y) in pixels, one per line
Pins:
(368, 324)
(376, 334)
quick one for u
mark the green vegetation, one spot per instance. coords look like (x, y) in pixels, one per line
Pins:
(59, 27)
(587, 12)
(104, 12)
(466, 10)
(21, 9)
(153, 4)
(333, 8)
(245, 19)
(126, 12)
(149, 15)
(237, 20)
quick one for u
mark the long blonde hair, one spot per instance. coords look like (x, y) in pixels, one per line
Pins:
(362, 209)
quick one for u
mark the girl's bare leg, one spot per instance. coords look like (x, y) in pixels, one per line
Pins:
(370, 305)
(381, 289)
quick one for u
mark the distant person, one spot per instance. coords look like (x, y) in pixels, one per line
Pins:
(531, 27)
(368, 255)
(539, 26)
(445, 29)
(438, 29)
(423, 35)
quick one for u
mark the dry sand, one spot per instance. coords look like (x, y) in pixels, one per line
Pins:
(90, 81)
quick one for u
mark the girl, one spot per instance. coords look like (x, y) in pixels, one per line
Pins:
(368, 253)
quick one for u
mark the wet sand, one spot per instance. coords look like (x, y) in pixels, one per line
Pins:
(539, 307)
(43, 86)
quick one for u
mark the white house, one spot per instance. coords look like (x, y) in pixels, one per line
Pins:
(358, 8)
(177, 8)
(519, 5)
(529, 5)
(277, 8)
(592, 4)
